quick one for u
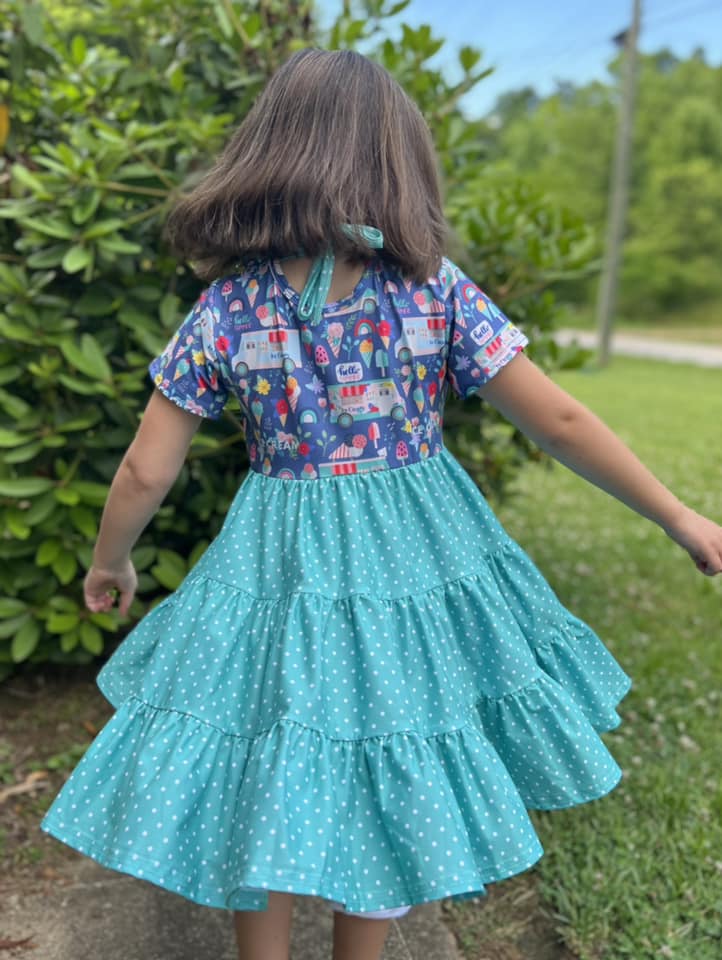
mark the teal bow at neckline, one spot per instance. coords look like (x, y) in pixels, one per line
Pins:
(315, 291)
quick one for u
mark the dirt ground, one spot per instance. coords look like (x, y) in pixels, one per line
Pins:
(48, 719)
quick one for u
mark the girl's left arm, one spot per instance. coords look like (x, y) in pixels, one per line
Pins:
(576, 437)
(146, 473)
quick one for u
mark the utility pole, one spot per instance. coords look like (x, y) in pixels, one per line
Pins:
(607, 297)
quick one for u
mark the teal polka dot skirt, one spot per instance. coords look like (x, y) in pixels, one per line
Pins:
(357, 693)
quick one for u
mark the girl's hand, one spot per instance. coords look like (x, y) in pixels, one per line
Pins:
(98, 583)
(701, 538)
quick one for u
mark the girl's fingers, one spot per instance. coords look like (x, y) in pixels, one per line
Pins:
(126, 598)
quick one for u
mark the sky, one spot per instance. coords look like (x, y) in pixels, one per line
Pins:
(537, 42)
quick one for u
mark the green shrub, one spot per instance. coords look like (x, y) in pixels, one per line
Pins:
(110, 108)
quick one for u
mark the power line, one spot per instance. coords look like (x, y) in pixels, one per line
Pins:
(674, 16)
(542, 61)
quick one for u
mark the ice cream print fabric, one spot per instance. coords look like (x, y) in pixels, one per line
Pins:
(361, 389)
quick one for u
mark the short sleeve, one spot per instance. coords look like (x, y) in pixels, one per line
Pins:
(188, 370)
(482, 338)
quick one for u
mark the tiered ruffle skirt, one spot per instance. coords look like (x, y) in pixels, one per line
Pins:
(357, 693)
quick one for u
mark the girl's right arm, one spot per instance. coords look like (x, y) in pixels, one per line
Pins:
(576, 437)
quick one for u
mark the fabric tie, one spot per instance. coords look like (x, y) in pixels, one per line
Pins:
(315, 291)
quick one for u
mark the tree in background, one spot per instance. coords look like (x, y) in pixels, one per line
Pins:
(563, 144)
(108, 109)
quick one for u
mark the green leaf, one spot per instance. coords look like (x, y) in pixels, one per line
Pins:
(61, 622)
(76, 259)
(47, 552)
(119, 245)
(78, 49)
(13, 406)
(63, 604)
(65, 566)
(10, 607)
(31, 18)
(83, 387)
(469, 57)
(170, 569)
(95, 358)
(70, 640)
(168, 310)
(91, 638)
(86, 357)
(67, 496)
(24, 486)
(223, 21)
(86, 205)
(142, 557)
(47, 257)
(84, 522)
(93, 493)
(23, 454)
(103, 227)
(25, 641)
(10, 372)
(50, 228)
(9, 628)
(9, 438)
(16, 525)
(23, 176)
(80, 423)
(105, 620)
(41, 509)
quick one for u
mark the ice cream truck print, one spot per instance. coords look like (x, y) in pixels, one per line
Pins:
(485, 356)
(266, 349)
(344, 467)
(421, 336)
(365, 400)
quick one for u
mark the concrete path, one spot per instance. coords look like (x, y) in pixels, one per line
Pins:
(90, 913)
(631, 345)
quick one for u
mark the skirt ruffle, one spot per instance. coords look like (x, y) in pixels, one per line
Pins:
(375, 747)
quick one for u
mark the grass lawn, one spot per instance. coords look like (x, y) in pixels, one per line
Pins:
(638, 874)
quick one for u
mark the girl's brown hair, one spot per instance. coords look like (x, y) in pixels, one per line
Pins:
(332, 139)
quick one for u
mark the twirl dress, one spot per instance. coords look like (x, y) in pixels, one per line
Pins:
(364, 683)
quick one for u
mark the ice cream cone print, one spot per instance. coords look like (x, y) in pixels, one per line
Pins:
(432, 393)
(334, 335)
(293, 392)
(257, 408)
(367, 349)
(252, 292)
(419, 398)
(282, 411)
(406, 384)
(182, 367)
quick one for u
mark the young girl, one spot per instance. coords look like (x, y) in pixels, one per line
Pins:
(364, 683)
